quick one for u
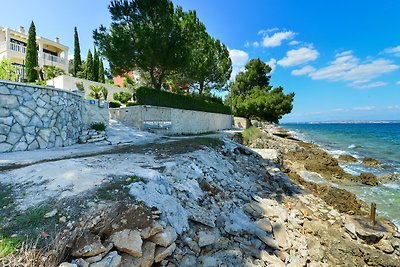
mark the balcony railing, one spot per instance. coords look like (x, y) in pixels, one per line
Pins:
(47, 58)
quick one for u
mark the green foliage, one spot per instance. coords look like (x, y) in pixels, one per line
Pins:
(102, 77)
(145, 34)
(98, 126)
(80, 86)
(122, 97)
(8, 71)
(96, 66)
(8, 245)
(96, 91)
(131, 104)
(251, 134)
(104, 92)
(77, 54)
(148, 96)
(52, 72)
(114, 104)
(31, 58)
(253, 97)
(89, 67)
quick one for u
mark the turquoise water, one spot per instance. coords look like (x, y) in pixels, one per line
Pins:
(380, 141)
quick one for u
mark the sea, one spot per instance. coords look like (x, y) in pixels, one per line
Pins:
(376, 139)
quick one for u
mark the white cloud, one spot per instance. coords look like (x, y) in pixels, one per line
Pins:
(277, 38)
(393, 50)
(370, 85)
(347, 67)
(303, 71)
(247, 44)
(263, 32)
(299, 56)
(272, 64)
(366, 108)
(256, 44)
(294, 42)
(239, 59)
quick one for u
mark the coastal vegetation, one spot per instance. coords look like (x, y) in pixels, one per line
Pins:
(252, 96)
(31, 59)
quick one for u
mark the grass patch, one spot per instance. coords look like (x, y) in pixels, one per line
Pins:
(251, 134)
(206, 141)
(113, 190)
(9, 245)
(6, 195)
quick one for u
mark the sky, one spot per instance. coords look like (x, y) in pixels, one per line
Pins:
(341, 58)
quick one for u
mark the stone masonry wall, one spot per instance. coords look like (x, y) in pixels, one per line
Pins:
(180, 121)
(33, 117)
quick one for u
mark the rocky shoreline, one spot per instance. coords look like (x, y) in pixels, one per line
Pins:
(222, 204)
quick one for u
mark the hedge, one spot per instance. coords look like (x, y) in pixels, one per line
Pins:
(149, 96)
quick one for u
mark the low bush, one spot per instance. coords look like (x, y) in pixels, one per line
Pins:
(122, 97)
(149, 96)
(114, 104)
(131, 104)
(251, 134)
(98, 126)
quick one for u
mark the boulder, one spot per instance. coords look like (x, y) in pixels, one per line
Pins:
(347, 158)
(161, 252)
(112, 259)
(146, 260)
(280, 234)
(128, 241)
(150, 231)
(368, 179)
(67, 264)
(165, 238)
(367, 161)
(207, 238)
(88, 245)
(264, 224)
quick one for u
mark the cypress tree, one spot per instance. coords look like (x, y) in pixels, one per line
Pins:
(102, 78)
(77, 54)
(31, 59)
(96, 66)
(89, 66)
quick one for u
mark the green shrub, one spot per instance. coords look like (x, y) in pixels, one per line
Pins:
(114, 104)
(131, 104)
(98, 126)
(149, 96)
(251, 134)
(122, 97)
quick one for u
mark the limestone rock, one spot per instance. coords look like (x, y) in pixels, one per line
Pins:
(100, 256)
(370, 162)
(207, 238)
(112, 259)
(80, 262)
(385, 245)
(150, 231)
(146, 260)
(128, 241)
(347, 158)
(280, 234)
(264, 224)
(67, 264)
(88, 245)
(165, 238)
(368, 179)
(161, 252)
(351, 230)
(269, 241)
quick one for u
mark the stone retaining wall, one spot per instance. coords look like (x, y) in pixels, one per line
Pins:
(33, 117)
(176, 121)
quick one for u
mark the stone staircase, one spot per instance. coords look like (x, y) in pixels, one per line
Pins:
(93, 136)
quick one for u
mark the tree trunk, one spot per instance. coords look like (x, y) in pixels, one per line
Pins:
(201, 88)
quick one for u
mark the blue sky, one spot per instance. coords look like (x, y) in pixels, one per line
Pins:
(341, 58)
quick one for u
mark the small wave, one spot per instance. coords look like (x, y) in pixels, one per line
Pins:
(352, 146)
(337, 152)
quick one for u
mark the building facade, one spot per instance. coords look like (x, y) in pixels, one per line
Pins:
(50, 53)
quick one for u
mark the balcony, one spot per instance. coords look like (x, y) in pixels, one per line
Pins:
(45, 58)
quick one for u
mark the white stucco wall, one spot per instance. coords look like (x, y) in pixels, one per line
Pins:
(67, 82)
(180, 121)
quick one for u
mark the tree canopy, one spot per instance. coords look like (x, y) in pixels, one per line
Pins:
(89, 66)
(31, 59)
(8, 71)
(163, 42)
(253, 97)
(77, 54)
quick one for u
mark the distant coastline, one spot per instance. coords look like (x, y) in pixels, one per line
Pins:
(344, 122)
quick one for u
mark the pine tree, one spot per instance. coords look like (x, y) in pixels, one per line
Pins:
(89, 67)
(77, 54)
(96, 66)
(31, 59)
(102, 78)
